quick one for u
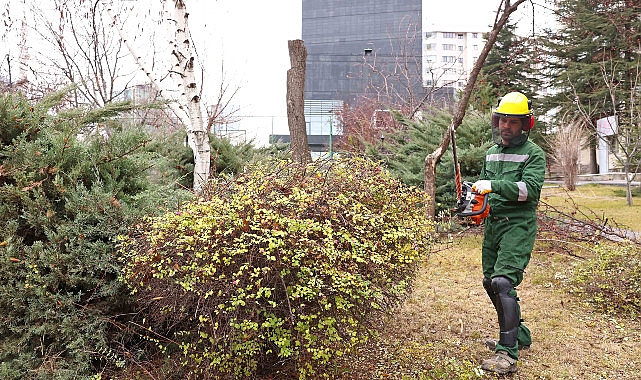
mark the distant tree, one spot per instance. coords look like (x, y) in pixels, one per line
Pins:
(511, 65)
(367, 122)
(565, 146)
(592, 33)
(81, 49)
(596, 63)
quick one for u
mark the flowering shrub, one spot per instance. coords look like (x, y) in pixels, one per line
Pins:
(285, 263)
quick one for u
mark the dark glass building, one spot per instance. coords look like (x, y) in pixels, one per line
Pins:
(360, 46)
(357, 48)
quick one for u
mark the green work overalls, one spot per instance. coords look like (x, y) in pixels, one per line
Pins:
(516, 174)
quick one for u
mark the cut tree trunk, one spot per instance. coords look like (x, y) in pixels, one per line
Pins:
(296, 102)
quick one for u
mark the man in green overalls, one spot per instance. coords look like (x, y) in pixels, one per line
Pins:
(513, 175)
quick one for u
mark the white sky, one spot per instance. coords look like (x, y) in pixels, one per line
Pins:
(250, 38)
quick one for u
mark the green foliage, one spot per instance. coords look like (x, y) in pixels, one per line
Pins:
(404, 152)
(612, 279)
(62, 203)
(175, 161)
(510, 66)
(285, 263)
(594, 58)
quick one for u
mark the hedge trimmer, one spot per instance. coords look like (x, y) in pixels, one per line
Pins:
(468, 202)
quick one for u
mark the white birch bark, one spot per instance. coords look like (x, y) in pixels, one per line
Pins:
(188, 107)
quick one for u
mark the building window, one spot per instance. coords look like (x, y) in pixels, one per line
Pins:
(460, 48)
(429, 83)
(429, 35)
(460, 60)
(460, 36)
(430, 58)
(448, 34)
(429, 46)
(448, 58)
(475, 47)
(461, 84)
(448, 47)
(475, 35)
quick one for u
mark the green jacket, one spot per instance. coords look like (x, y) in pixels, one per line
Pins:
(516, 174)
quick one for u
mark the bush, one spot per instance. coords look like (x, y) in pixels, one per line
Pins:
(404, 152)
(176, 160)
(63, 201)
(285, 263)
(612, 279)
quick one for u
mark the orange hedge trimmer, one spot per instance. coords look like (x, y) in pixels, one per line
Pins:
(468, 203)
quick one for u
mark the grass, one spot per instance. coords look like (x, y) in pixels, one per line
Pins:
(439, 331)
(607, 201)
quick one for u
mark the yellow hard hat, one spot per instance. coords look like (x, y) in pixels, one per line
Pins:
(514, 104)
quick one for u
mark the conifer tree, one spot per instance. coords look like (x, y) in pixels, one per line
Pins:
(66, 192)
(595, 62)
(593, 33)
(511, 65)
(403, 151)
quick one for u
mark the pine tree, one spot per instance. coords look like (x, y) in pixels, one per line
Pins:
(66, 193)
(594, 61)
(510, 66)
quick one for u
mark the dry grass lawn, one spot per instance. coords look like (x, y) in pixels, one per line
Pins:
(439, 332)
(605, 201)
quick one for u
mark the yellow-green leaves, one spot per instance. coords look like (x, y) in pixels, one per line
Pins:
(284, 262)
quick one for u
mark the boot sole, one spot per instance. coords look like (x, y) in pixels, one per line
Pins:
(498, 370)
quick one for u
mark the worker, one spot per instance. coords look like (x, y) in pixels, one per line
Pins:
(512, 176)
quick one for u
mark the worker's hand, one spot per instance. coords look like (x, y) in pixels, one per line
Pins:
(482, 187)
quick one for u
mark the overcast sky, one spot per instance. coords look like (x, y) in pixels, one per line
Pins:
(251, 37)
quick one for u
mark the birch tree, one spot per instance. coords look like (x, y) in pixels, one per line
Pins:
(187, 107)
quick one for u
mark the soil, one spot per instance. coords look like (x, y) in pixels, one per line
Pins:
(439, 331)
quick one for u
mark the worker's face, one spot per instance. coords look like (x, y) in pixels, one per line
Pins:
(510, 127)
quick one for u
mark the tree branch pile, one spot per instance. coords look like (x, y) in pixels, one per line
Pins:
(571, 224)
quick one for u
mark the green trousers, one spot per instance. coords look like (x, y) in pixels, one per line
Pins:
(507, 248)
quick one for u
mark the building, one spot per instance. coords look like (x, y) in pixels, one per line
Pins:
(354, 48)
(358, 48)
(346, 39)
(449, 56)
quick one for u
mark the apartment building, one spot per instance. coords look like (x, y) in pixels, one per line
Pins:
(449, 56)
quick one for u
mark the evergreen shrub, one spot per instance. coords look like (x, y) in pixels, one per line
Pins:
(285, 264)
(63, 201)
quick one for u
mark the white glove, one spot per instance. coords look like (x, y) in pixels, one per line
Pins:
(482, 187)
